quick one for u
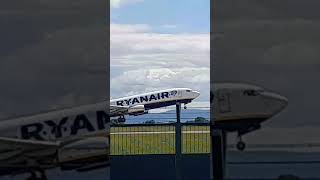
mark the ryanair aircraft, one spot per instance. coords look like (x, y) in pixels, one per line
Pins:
(73, 139)
(140, 104)
(242, 107)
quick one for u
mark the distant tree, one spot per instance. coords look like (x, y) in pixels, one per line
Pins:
(200, 119)
(190, 121)
(150, 122)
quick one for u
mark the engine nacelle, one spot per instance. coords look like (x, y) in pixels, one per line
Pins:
(84, 153)
(142, 113)
(137, 109)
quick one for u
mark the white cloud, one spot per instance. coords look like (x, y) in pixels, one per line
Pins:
(150, 61)
(134, 44)
(122, 29)
(296, 52)
(273, 41)
(150, 79)
(119, 3)
(169, 26)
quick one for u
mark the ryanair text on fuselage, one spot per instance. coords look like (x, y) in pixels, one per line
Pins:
(65, 126)
(146, 98)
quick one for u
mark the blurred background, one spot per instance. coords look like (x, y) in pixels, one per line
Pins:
(274, 44)
(53, 55)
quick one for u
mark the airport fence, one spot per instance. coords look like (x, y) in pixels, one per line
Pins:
(138, 139)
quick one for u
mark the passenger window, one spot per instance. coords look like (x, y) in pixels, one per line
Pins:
(188, 90)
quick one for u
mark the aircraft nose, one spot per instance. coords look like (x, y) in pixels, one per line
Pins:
(195, 94)
(280, 102)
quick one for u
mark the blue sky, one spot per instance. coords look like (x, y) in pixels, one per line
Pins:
(190, 16)
(159, 44)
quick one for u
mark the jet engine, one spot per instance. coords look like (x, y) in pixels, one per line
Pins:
(89, 152)
(137, 109)
(142, 113)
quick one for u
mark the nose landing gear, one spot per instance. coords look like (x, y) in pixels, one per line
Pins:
(240, 144)
(185, 105)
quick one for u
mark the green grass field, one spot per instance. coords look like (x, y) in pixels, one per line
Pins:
(158, 140)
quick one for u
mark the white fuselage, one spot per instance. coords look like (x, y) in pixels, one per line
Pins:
(67, 124)
(238, 104)
(158, 99)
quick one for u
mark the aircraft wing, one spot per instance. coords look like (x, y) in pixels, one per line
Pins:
(118, 110)
(4, 141)
(11, 147)
(126, 110)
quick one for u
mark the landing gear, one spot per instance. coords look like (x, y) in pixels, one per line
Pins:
(37, 175)
(240, 144)
(185, 107)
(252, 127)
(121, 119)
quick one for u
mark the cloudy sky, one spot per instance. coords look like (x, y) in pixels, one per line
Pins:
(159, 44)
(274, 44)
(52, 55)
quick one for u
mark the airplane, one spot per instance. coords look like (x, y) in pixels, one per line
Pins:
(242, 107)
(75, 138)
(141, 104)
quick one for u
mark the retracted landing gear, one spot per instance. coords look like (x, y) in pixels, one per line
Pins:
(38, 175)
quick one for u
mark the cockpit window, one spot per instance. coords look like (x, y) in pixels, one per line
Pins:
(188, 90)
(251, 92)
(173, 93)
